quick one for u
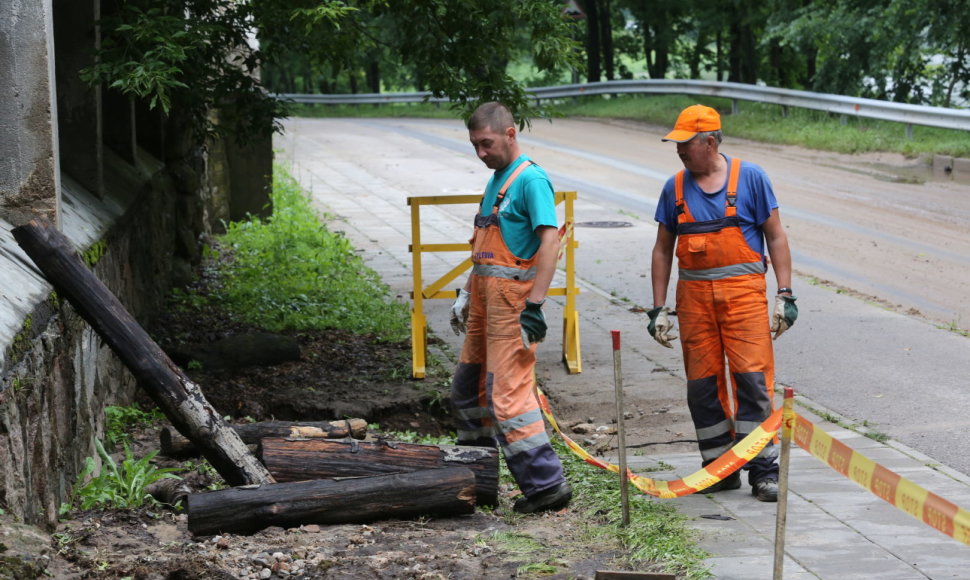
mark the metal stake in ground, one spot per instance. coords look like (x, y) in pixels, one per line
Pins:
(787, 427)
(620, 431)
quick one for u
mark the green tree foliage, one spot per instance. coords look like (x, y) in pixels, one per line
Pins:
(191, 56)
(900, 50)
(196, 56)
(903, 50)
(452, 48)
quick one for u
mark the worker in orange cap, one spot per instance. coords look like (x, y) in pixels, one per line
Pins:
(515, 247)
(719, 215)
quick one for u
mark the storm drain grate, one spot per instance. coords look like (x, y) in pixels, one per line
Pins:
(604, 225)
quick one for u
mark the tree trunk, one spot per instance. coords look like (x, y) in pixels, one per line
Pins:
(244, 510)
(173, 444)
(296, 460)
(749, 54)
(175, 394)
(719, 43)
(374, 76)
(592, 42)
(606, 39)
(648, 46)
(695, 55)
(734, 54)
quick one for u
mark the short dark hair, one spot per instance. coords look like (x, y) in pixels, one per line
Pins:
(492, 115)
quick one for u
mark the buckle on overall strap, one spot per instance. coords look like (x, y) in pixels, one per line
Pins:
(734, 173)
(509, 180)
(683, 213)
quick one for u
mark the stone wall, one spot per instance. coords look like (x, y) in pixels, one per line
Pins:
(56, 375)
(135, 197)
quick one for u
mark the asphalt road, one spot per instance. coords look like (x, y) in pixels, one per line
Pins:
(880, 247)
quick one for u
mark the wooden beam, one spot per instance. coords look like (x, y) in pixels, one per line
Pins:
(244, 510)
(302, 459)
(169, 387)
(173, 444)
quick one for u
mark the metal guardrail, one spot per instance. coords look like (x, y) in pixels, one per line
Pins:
(849, 106)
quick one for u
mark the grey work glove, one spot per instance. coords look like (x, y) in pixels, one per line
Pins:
(786, 312)
(661, 327)
(533, 323)
(459, 312)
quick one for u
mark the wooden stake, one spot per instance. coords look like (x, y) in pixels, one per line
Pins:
(787, 422)
(620, 430)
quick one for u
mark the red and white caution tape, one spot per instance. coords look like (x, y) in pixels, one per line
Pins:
(923, 505)
(732, 460)
(902, 493)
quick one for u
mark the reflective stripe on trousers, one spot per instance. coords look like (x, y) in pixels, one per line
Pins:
(727, 319)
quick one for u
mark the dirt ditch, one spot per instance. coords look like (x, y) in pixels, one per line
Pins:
(336, 375)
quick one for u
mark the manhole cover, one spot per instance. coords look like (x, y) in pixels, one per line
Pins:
(604, 225)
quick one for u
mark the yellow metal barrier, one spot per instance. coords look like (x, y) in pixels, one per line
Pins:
(420, 293)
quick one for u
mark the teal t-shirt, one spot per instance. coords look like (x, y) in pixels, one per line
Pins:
(528, 204)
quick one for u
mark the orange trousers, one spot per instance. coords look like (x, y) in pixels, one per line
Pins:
(493, 391)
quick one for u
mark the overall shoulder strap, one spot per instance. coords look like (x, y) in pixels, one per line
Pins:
(683, 212)
(510, 179)
(731, 200)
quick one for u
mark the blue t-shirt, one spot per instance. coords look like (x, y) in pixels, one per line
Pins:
(528, 204)
(756, 200)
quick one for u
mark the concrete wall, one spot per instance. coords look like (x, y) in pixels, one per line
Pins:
(28, 165)
(56, 375)
(132, 194)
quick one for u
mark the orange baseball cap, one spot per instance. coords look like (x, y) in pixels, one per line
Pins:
(693, 120)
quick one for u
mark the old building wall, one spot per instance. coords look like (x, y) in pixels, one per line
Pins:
(134, 203)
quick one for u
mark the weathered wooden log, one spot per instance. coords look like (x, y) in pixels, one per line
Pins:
(169, 491)
(248, 509)
(302, 459)
(173, 444)
(175, 394)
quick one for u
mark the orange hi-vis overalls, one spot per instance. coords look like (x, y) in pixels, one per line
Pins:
(493, 391)
(723, 312)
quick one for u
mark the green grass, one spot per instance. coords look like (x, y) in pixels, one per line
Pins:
(119, 420)
(755, 121)
(657, 534)
(657, 538)
(416, 110)
(291, 272)
(768, 124)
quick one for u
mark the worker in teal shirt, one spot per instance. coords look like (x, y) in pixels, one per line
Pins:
(515, 249)
(528, 204)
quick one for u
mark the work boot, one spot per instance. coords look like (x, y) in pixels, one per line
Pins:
(765, 490)
(548, 499)
(732, 481)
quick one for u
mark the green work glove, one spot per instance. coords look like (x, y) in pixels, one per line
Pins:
(660, 327)
(786, 312)
(533, 323)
